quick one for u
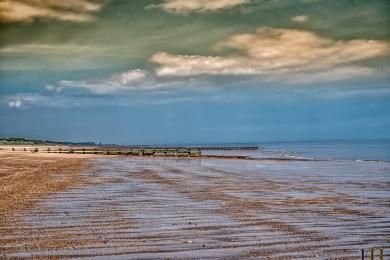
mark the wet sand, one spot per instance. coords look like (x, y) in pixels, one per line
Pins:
(148, 208)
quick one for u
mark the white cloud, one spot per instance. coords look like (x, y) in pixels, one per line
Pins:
(59, 100)
(270, 52)
(132, 76)
(190, 65)
(53, 49)
(300, 18)
(29, 10)
(27, 100)
(185, 6)
(67, 55)
(15, 103)
(22, 100)
(116, 83)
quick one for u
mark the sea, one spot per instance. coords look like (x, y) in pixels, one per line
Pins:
(357, 150)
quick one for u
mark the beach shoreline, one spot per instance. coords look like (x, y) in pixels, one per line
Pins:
(81, 205)
(65, 152)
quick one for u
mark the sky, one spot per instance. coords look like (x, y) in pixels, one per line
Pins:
(194, 71)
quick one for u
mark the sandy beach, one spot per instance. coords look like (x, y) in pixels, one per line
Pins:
(26, 177)
(66, 206)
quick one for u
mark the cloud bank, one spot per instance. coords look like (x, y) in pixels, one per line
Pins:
(272, 52)
(116, 83)
(29, 10)
(186, 6)
(15, 103)
(300, 18)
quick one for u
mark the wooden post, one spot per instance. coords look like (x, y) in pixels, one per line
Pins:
(362, 254)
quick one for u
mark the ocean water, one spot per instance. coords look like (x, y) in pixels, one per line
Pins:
(373, 150)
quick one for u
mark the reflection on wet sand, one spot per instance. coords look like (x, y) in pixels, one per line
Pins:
(208, 208)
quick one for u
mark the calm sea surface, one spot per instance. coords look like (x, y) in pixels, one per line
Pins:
(330, 150)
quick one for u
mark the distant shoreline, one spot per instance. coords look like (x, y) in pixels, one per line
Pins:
(124, 153)
(65, 153)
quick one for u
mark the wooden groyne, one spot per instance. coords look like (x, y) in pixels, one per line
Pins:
(169, 151)
(201, 147)
(192, 152)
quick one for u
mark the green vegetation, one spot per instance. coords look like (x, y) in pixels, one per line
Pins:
(24, 141)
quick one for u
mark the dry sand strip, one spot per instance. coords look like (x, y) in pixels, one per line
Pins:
(150, 208)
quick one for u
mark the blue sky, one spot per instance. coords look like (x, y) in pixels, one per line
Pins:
(194, 71)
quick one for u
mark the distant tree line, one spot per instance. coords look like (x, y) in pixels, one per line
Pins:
(24, 141)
